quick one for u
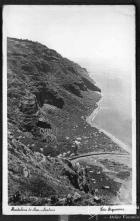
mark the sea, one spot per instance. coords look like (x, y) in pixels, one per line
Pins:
(114, 115)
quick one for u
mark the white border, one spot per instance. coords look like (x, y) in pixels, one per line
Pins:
(62, 210)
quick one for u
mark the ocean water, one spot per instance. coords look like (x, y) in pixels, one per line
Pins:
(114, 114)
(114, 117)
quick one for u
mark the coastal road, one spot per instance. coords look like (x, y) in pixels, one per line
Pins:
(95, 153)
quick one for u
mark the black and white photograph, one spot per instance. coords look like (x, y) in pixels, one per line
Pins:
(69, 109)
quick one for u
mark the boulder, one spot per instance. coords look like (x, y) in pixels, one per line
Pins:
(76, 197)
(68, 162)
(105, 187)
(78, 138)
(69, 200)
(61, 202)
(86, 188)
(93, 180)
(25, 172)
(97, 199)
(72, 175)
(54, 199)
(16, 197)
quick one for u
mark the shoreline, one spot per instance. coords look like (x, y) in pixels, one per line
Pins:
(116, 140)
(91, 117)
(90, 120)
(124, 193)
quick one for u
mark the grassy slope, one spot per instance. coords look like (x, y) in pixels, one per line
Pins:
(62, 95)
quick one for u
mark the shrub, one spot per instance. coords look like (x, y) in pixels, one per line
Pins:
(73, 89)
(90, 85)
(40, 186)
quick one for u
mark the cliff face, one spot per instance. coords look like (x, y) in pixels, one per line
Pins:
(49, 98)
(47, 92)
(54, 80)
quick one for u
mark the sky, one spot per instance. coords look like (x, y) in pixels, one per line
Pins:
(97, 35)
(99, 38)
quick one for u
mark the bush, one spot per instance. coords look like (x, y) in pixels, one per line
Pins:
(73, 89)
(40, 186)
(90, 85)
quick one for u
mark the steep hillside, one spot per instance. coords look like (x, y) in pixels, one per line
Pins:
(49, 98)
(47, 91)
(35, 179)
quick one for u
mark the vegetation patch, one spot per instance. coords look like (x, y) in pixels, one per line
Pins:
(90, 85)
(73, 89)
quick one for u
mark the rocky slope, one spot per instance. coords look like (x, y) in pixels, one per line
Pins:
(49, 98)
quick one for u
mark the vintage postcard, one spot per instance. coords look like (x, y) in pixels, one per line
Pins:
(69, 110)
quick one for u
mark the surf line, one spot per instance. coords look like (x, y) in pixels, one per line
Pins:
(90, 118)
